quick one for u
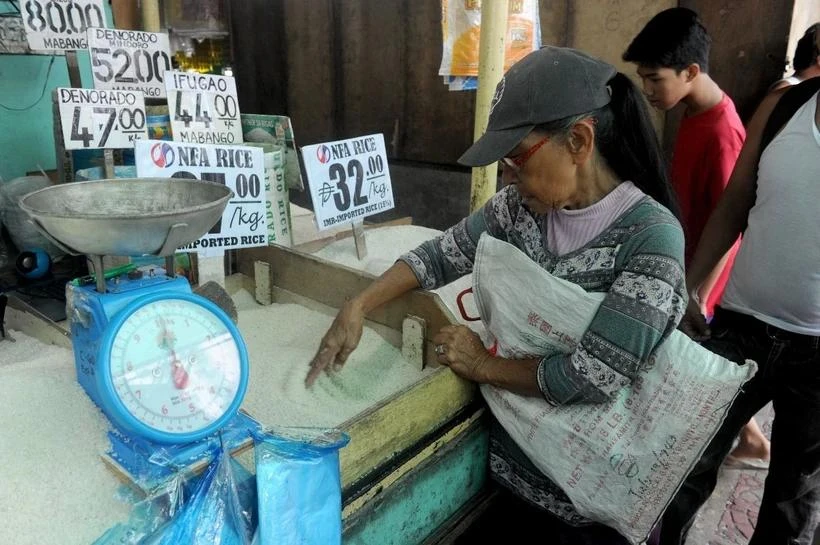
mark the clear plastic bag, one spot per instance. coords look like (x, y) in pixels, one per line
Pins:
(299, 488)
(204, 511)
(148, 517)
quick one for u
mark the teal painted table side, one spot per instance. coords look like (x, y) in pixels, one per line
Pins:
(424, 499)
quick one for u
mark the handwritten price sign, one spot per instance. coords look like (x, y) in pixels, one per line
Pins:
(101, 119)
(349, 179)
(60, 24)
(204, 108)
(129, 59)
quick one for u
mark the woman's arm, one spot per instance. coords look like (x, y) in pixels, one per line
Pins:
(346, 331)
(641, 308)
(433, 264)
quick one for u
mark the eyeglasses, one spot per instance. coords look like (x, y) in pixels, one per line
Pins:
(516, 163)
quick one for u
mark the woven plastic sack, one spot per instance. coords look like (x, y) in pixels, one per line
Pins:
(620, 462)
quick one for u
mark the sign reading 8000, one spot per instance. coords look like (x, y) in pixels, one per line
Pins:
(60, 24)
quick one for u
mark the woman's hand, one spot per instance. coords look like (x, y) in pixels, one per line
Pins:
(693, 323)
(339, 341)
(460, 349)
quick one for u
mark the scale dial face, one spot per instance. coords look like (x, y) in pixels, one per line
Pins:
(176, 367)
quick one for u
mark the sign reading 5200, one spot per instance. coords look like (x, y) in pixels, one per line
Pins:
(129, 60)
(348, 179)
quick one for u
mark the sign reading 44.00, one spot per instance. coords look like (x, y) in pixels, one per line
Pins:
(60, 24)
(349, 179)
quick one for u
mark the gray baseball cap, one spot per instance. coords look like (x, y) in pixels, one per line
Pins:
(546, 85)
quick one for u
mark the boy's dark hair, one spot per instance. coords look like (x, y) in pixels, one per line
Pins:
(807, 50)
(674, 38)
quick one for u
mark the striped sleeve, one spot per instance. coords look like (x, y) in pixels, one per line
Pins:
(642, 307)
(451, 255)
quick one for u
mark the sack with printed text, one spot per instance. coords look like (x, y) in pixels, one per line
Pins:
(620, 462)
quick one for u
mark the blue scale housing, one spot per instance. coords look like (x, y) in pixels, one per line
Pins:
(145, 461)
(89, 313)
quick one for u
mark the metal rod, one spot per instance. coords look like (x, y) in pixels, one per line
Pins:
(99, 272)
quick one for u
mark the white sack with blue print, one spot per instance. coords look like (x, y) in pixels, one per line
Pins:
(620, 462)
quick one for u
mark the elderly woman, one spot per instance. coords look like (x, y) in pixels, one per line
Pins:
(586, 197)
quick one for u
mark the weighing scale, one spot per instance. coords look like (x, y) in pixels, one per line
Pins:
(168, 368)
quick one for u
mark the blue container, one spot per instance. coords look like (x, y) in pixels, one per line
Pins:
(98, 173)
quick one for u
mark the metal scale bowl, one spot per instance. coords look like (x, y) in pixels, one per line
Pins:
(126, 217)
(163, 363)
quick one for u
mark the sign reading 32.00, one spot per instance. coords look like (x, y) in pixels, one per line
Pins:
(348, 179)
(60, 24)
(130, 60)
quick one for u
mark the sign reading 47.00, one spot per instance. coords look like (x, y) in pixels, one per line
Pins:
(129, 60)
(60, 24)
(349, 179)
(101, 119)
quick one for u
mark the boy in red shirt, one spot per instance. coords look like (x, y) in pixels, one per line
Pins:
(672, 55)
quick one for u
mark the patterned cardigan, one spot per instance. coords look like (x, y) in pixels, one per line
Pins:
(637, 261)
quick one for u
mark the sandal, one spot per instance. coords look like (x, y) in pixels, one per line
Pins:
(754, 464)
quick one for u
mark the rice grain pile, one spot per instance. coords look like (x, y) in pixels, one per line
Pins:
(55, 488)
(384, 246)
(283, 338)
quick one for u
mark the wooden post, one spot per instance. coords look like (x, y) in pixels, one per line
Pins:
(108, 164)
(359, 240)
(490, 70)
(150, 16)
(73, 69)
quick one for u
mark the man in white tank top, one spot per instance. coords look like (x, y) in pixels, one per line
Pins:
(770, 313)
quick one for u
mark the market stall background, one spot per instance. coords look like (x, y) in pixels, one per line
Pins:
(341, 69)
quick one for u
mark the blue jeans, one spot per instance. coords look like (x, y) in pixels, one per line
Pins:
(789, 377)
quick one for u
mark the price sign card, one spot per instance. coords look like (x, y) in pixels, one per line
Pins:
(349, 179)
(243, 223)
(60, 24)
(130, 60)
(93, 119)
(203, 108)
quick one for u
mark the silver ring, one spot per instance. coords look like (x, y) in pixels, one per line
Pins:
(440, 348)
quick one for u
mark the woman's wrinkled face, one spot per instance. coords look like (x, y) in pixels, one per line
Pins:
(547, 179)
(664, 87)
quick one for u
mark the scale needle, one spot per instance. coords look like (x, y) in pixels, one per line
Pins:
(179, 373)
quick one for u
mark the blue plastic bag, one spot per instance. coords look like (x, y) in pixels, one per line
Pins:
(299, 486)
(213, 515)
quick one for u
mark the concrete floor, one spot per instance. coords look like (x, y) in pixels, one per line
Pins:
(729, 517)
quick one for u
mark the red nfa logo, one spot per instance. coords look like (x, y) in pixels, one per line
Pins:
(162, 155)
(323, 154)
